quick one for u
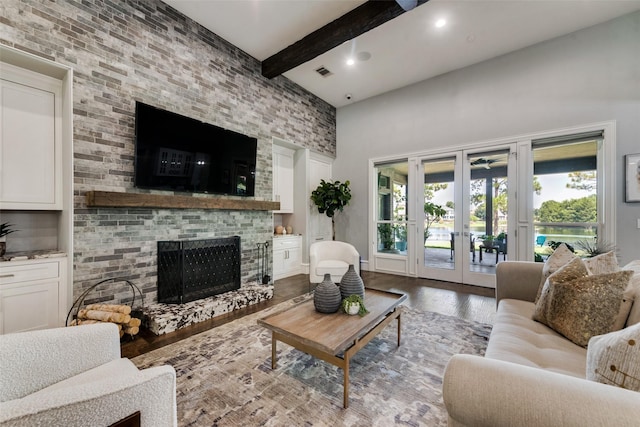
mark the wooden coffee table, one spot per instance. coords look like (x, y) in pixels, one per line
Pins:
(336, 337)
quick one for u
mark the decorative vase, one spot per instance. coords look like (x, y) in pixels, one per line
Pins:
(326, 297)
(3, 248)
(351, 284)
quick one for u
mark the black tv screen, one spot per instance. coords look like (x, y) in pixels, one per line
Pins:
(177, 153)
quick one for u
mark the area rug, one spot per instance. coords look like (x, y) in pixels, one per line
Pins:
(224, 375)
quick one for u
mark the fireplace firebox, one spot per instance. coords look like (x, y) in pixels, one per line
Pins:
(189, 270)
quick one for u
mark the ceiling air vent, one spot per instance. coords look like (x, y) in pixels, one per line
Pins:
(324, 72)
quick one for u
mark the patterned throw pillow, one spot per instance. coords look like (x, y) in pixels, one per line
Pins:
(608, 263)
(614, 358)
(587, 306)
(574, 269)
(560, 257)
(602, 264)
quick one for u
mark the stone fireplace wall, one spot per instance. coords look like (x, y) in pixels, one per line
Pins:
(123, 51)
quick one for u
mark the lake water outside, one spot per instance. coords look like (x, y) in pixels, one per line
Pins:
(563, 234)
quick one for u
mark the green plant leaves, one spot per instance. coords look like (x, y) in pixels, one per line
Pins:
(331, 197)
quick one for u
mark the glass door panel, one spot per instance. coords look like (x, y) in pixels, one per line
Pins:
(486, 214)
(438, 220)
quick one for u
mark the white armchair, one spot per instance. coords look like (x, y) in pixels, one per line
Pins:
(75, 377)
(331, 257)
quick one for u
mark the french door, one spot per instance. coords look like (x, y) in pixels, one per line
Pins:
(464, 221)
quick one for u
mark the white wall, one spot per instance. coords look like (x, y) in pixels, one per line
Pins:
(589, 76)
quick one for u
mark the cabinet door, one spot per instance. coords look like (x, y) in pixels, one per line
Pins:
(28, 148)
(278, 264)
(27, 307)
(283, 179)
(319, 224)
(293, 260)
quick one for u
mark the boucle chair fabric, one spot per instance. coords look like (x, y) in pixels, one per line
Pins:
(75, 377)
(331, 257)
(34, 360)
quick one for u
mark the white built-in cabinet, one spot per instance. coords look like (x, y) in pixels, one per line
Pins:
(283, 178)
(32, 294)
(30, 140)
(302, 169)
(287, 256)
(36, 187)
(309, 169)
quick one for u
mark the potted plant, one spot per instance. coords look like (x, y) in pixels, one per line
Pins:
(594, 247)
(5, 229)
(330, 197)
(354, 304)
(487, 240)
(386, 236)
(401, 235)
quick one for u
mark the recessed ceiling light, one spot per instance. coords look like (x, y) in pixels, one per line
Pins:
(351, 61)
(441, 23)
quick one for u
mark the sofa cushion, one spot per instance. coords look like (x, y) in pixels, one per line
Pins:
(517, 338)
(333, 266)
(586, 306)
(115, 368)
(614, 358)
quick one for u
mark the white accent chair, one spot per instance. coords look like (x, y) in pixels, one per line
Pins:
(75, 377)
(331, 257)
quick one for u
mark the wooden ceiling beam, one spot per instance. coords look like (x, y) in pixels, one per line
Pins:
(365, 17)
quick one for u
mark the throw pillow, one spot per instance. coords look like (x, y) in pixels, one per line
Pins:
(587, 306)
(602, 264)
(574, 269)
(633, 294)
(560, 257)
(614, 358)
(628, 315)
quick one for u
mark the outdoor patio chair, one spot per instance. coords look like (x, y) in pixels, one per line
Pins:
(472, 246)
(502, 247)
(540, 240)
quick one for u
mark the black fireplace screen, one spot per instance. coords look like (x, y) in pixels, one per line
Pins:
(189, 270)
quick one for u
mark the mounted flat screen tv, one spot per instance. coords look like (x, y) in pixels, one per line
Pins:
(177, 153)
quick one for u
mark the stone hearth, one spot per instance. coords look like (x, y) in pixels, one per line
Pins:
(164, 318)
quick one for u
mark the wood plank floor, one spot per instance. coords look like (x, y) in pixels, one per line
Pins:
(467, 302)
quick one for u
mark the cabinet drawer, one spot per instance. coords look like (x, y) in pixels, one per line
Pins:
(286, 243)
(23, 273)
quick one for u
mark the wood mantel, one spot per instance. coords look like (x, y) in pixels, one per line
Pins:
(111, 199)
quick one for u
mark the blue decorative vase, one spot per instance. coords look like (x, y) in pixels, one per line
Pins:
(326, 297)
(351, 284)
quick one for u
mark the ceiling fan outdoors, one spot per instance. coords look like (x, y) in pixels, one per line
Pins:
(486, 163)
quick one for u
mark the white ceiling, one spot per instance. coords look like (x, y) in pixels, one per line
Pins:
(403, 51)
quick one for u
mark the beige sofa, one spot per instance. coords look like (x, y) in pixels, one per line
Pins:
(530, 375)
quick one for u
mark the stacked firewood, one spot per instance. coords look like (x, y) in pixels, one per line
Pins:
(112, 313)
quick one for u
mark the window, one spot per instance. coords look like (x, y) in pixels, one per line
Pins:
(391, 221)
(567, 200)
